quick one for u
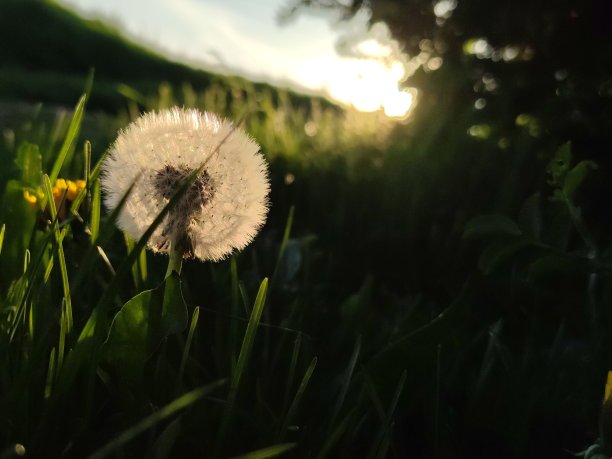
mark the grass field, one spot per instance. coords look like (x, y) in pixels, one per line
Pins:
(419, 290)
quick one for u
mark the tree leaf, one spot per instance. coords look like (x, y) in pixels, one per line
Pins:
(553, 265)
(559, 165)
(490, 225)
(576, 176)
(500, 251)
(530, 217)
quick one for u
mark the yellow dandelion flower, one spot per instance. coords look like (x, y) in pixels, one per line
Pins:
(58, 192)
(30, 198)
(73, 190)
(61, 185)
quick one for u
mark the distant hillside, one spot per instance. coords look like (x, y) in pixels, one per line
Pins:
(47, 51)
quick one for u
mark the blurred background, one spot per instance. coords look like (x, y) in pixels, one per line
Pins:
(440, 233)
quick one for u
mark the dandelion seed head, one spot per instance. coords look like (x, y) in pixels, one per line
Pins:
(224, 207)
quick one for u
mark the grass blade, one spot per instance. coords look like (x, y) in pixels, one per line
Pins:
(86, 169)
(2, 236)
(233, 325)
(50, 374)
(333, 439)
(292, 367)
(243, 357)
(298, 397)
(192, 327)
(94, 226)
(347, 379)
(59, 237)
(270, 451)
(129, 245)
(150, 421)
(97, 170)
(105, 234)
(27, 257)
(86, 161)
(387, 420)
(249, 337)
(162, 448)
(71, 135)
(87, 347)
(283, 246)
(62, 338)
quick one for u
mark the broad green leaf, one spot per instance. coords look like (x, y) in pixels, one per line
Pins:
(557, 225)
(559, 165)
(353, 306)
(576, 176)
(530, 217)
(552, 266)
(499, 252)
(141, 325)
(19, 218)
(29, 161)
(595, 452)
(490, 225)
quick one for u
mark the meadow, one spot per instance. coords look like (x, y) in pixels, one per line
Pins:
(437, 287)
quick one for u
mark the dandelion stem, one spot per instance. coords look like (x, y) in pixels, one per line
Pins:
(175, 261)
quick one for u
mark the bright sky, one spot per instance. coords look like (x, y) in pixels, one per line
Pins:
(243, 37)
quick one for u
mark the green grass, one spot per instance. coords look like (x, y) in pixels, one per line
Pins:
(92, 360)
(349, 353)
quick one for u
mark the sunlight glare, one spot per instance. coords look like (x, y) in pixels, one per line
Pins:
(370, 85)
(444, 8)
(399, 105)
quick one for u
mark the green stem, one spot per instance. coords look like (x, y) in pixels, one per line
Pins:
(175, 260)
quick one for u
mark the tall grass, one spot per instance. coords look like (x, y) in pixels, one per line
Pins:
(425, 297)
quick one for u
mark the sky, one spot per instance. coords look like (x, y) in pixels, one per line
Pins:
(244, 37)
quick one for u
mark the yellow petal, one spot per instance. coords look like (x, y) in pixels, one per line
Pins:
(29, 197)
(61, 184)
(72, 190)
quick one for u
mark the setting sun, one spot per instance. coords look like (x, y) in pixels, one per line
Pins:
(366, 84)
